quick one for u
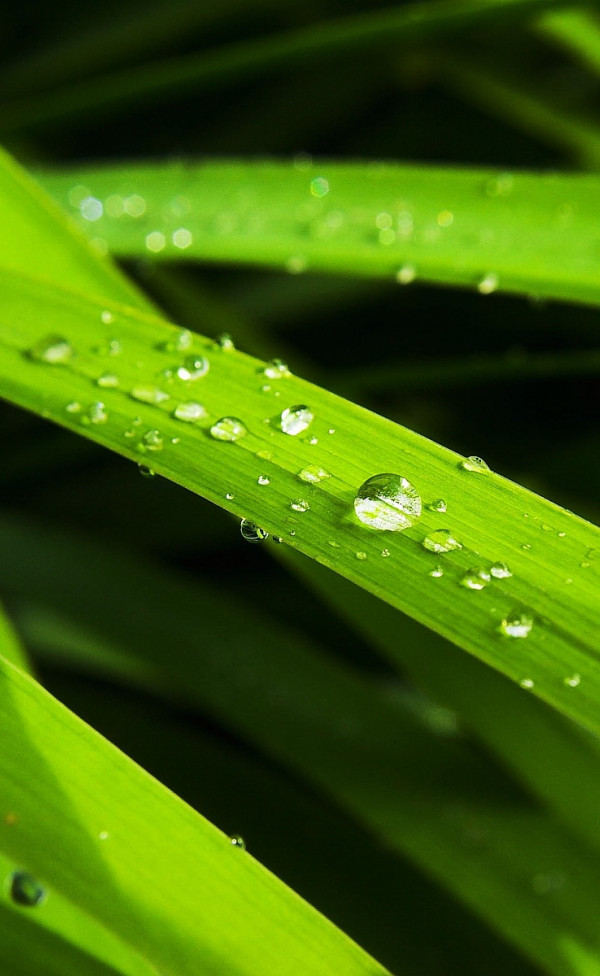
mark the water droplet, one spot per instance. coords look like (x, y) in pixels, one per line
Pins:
(237, 841)
(182, 238)
(406, 274)
(475, 464)
(561, 535)
(103, 835)
(572, 680)
(277, 539)
(106, 316)
(73, 406)
(313, 440)
(296, 419)
(500, 571)
(516, 624)
(96, 413)
(439, 505)
(526, 546)
(251, 532)
(361, 555)
(149, 394)
(313, 474)
(229, 496)
(445, 218)
(487, 284)
(193, 368)
(499, 186)
(276, 369)
(331, 430)
(53, 349)
(441, 540)
(263, 480)
(436, 572)
(296, 264)
(475, 579)
(108, 380)
(385, 553)
(387, 501)
(526, 683)
(225, 342)
(299, 505)
(319, 187)
(25, 890)
(190, 411)
(228, 429)
(179, 341)
(112, 347)
(152, 440)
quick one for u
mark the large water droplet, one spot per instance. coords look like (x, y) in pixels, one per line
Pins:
(228, 429)
(296, 419)
(193, 368)
(190, 411)
(387, 501)
(518, 623)
(475, 464)
(251, 532)
(299, 505)
(441, 540)
(313, 474)
(152, 440)
(53, 349)
(25, 890)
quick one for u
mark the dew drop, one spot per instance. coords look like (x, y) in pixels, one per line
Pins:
(228, 429)
(487, 284)
(436, 572)
(475, 579)
(112, 347)
(52, 349)
(225, 342)
(296, 419)
(312, 474)
(73, 406)
(441, 540)
(229, 496)
(439, 505)
(526, 683)
(96, 413)
(475, 464)
(190, 411)
(516, 624)
(106, 316)
(251, 532)
(387, 501)
(152, 440)
(299, 505)
(361, 555)
(108, 380)
(193, 368)
(265, 455)
(263, 480)
(276, 369)
(385, 553)
(572, 680)
(25, 890)
(406, 274)
(500, 571)
(237, 841)
(149, 394)
(179, 342)
(296, 264)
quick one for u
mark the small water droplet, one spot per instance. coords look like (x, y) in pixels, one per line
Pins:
(331, 430)
(25, 890)
(52, 349)
(251, 532)
(193, 368)
(439, 505)
(108, 380)
(228, 429)
(112, 347)
(488, 284)
(361, 555)
(499, 186)
(436, 572)
(229, 496)
(526, 546)
(385, 553)
(73, 406)
(500, 571)
(96, 413)
(152, 440)
(313, 440)
(516, 624)
(388, 502)
(475, 464)
(296, 419)
(445, 218)
(149, 394)
(526, 683)
(106, 316)
(103, 835)
(475, 579)
(572, 680)
(296, 264)
(319, 187)
(182, 238)
(264, 454)
(561, 535)
(263, 480)
(179, 341)
(406, 274)
(441, 540)
(155, 241)
(225, 342)
(190, 411)
(299, 505)
(237, 841)
(275, 369)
